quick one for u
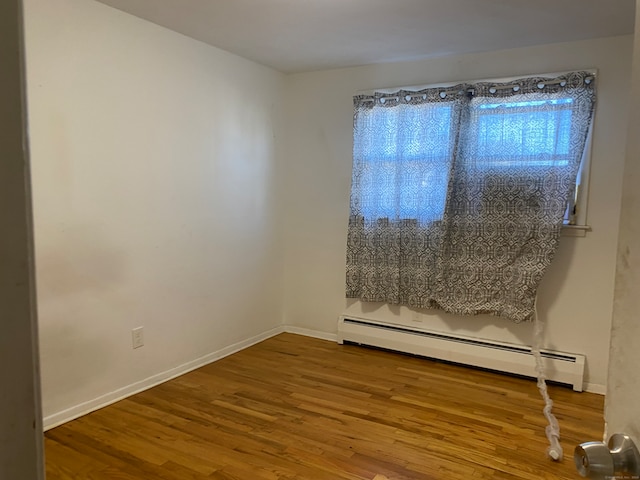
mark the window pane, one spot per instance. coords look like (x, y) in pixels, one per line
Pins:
(404, 154)
(522, 133)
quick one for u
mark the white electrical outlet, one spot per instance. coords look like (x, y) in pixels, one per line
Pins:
(137, 337)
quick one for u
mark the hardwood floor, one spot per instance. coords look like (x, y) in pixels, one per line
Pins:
(294, 407)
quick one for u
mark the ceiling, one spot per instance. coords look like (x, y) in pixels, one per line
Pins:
(305, 35)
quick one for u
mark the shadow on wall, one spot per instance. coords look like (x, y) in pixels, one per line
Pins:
(80, 282)
(78, 260)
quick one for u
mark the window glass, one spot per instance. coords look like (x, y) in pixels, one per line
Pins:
(522, 133)
(406, 156)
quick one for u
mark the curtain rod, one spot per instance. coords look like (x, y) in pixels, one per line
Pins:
(515, 85)
(448, 85)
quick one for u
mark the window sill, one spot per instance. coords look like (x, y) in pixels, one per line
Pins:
(575, 230)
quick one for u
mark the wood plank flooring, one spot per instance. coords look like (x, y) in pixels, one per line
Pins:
(294, 407)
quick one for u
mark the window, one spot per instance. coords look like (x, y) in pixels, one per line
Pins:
(523, 133)
(526, 134)
(459, 193)
(407, 143)
(406, 157)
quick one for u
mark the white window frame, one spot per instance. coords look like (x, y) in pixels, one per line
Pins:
(579, 226)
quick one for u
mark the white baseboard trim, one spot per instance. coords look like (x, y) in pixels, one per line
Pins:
(307, 332)
(84, 408)
(595, 388)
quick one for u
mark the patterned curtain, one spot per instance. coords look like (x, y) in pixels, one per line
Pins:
(459, 194)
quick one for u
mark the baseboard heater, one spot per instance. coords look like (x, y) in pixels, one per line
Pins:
(560, 367)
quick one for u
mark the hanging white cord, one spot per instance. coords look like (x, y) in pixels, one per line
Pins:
(554, 450)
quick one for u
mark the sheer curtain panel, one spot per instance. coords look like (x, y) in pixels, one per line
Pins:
(459, 194)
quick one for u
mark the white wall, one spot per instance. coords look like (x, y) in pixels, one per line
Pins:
(155, 173)
(577, 294)
(21, 455)
(623, 389)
